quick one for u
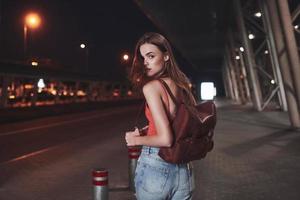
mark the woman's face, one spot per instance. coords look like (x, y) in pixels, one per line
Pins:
(154, 59)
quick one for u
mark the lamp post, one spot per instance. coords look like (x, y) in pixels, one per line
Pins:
(84, 46)
(125, 61)
(32, 20)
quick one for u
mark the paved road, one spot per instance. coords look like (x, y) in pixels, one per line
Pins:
(52, 158)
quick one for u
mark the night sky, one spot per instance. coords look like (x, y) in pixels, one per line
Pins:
(109, 28)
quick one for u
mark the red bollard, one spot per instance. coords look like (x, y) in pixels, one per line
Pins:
(133, 155)
(100, 182)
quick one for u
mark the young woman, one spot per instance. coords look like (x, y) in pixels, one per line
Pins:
(156, 179)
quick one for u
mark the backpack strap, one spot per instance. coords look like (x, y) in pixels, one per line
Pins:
(166, 93)
(169, 92)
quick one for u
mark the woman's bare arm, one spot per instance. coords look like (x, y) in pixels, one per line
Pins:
(163, 138)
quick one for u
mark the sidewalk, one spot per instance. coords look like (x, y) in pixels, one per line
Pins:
(256, 156)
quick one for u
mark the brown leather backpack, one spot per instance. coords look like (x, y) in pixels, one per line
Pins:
(193, 132)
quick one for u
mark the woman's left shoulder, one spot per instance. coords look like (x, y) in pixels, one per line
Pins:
(152, 87)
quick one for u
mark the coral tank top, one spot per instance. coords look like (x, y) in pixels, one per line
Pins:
(151, 128)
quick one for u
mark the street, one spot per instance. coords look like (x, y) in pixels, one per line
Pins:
(52, 158)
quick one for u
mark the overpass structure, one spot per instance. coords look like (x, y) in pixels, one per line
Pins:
(252, 44)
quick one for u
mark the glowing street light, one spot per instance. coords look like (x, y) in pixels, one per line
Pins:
(82, 46)
(237, 57)
(33, 21)
(257, 14)
(34, 63)
(125, 57)
(242, 49)
(251, 36)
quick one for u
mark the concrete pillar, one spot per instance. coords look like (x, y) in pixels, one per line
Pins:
(57, 97)
(77, 84)
(245, 76)
(100, 90)
(229, 81)
(4, 93)
(236, 66)
(90, 89)
(241, 87)
(225, 82)
(284, 64)
(273, 54)
(291, 44)
(232, 74)
(34, 92)
(249, 57)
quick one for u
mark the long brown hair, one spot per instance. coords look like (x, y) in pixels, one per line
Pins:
(138, 74)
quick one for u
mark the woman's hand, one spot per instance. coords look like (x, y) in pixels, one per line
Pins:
(131, 136)
(143, 131)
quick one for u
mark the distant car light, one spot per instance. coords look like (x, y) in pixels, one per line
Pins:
(34, 63)
(53, 92)
(129, 93)
(116, 93)
(28, 86)
(12, 97)
(80, 93)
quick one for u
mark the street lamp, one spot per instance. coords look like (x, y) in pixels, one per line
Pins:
(251, 36)
(34, 63)
(32, 20)
(84, 46)
(258, 14)
(125, 57)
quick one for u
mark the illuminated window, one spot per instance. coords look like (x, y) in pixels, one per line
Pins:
(41, 83)
(208, 90)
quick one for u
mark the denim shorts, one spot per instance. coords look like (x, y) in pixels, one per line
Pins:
(156, 179)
